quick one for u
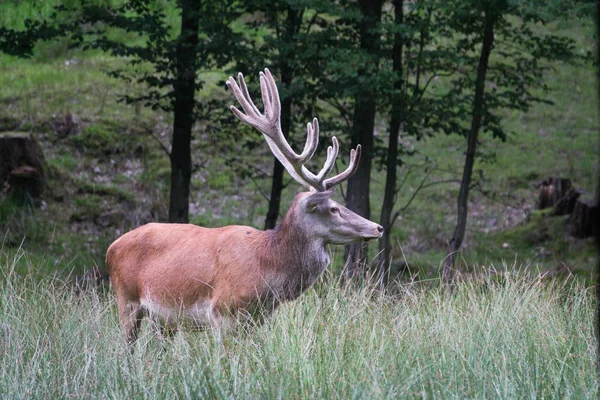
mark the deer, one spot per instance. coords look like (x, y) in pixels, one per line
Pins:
(179, 274)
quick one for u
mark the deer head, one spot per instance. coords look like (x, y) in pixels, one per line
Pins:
(322, 216)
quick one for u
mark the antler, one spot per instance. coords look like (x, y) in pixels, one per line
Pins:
(269, 124)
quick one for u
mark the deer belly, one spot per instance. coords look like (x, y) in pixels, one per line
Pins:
(199, 314)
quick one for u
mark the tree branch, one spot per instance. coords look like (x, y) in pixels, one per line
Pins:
(260, 189)
(311, 22)
(422, 185)
(406, 175)
(342, 110)
(166, 148)
(419, 60)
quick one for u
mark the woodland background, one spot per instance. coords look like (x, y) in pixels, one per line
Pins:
(129, 108)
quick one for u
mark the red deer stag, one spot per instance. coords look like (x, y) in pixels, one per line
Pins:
(207, 277)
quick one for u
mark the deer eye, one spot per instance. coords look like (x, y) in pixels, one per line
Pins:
(334, 210)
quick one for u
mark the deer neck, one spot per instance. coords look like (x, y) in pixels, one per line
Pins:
(296, 258)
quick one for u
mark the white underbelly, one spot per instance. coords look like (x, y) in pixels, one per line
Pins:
(199, 314)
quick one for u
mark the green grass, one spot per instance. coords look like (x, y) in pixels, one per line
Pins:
(505, 336)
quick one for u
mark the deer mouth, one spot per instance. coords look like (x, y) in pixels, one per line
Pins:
(373, 236)
(370, 238)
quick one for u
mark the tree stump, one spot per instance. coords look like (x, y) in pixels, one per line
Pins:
(551, 191)
(566, 204)
(22, 166)
(583, 219)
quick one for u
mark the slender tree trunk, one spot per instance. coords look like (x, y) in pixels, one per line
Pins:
(292, 25)
(398, 111)
(185, 84)
(363, 122)
(463, 196)
(275, 198)
(357, 198)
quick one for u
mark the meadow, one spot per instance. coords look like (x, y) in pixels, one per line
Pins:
(503, 335)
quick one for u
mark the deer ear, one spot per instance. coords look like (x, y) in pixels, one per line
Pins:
(316, 199)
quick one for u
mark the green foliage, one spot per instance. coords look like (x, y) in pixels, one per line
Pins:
(52, 252)
(508, 336)
(543, 240)
(10, 207)
(154, 55)
(521, 57)
(18, 221)
(105, 190)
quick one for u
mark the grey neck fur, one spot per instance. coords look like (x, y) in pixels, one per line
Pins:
(295, 257)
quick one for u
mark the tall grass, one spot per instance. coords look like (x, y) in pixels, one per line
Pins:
(512, 337)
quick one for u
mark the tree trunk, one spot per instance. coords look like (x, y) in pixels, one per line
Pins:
(398, 111)
(292, 25)
(357, 197)
(275, 198)
(184, 88)
(463, 196)
(363, 122)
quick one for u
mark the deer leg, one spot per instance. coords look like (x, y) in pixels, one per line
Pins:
(131, 314)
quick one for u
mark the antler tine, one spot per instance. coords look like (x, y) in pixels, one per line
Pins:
(252, 116)
(352, 167)
(270, 94)
(332, 153)
(245, 93)
(312, 141)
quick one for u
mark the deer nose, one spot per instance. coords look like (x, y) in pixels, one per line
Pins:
(379, 228)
